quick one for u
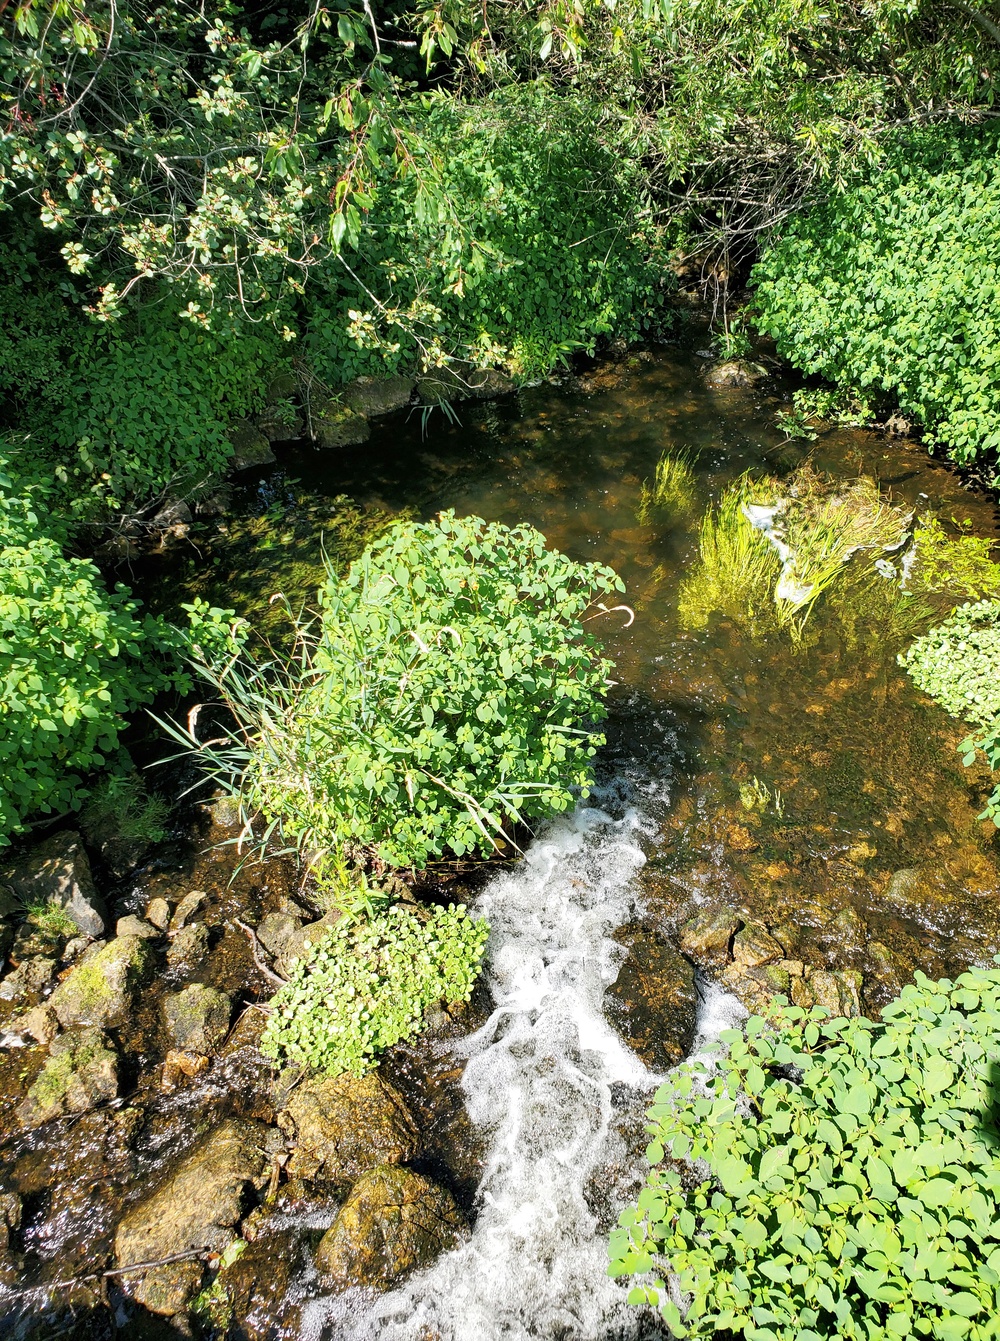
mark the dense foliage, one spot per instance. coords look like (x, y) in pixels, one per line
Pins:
(448, 690)
(893, 287)
(365, 985)
(830, 1177)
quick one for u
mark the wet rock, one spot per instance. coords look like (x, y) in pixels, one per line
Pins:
(74, 948)
(197, 1018)
(158, 913)
(137, 926)
(81, 1072)
(39, 1023)
(755, 945)
(29, 979)
(174, 513)
(838, 992)
(250, 448)
(337, 425)
(706, 938)
(197, 1208)
(214, 502)
(178, 1066)
(889, 971)
(187, 908)
(372, 396)
(57, 872)
(10, 1217)
(343, 1125)
(734, 372)
(101, 990)
(653, 1001)
(189, 947)
(224, 811)
(276, 932)
(906, 889)
(740, 839)
(393, 1222)
(300, 941)
(755, 986)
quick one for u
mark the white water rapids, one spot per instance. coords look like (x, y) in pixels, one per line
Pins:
(540, 1078)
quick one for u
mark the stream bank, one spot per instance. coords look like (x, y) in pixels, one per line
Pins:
(864, 864)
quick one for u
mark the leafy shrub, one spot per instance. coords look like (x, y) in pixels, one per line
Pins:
(535, 245)
(366, 985)
(448, 689)
(830, 1178)
(892, 286)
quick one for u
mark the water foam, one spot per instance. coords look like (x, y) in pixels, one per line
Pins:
(540, 1077)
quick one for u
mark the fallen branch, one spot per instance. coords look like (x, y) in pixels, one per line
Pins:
(255, 951)
(189, 1255)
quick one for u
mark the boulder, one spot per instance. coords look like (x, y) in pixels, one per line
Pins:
(58, 872)
(80, 1073)
(101, 990)
(197, 1018)
(754, 945)
(706, 938)
(838, 992)
(755, 985)
(276, 931)
(251, 449)
(342, 1126)
(734, 372)
(137, 926)
(189, 946)
(653, 1001)
(461, 381)
(372, 396)
(196, 1208)
(393, 1222)
(337, 425)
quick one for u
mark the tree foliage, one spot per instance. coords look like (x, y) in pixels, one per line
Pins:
(830, 1177)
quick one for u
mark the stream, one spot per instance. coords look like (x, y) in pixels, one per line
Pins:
(627, 936)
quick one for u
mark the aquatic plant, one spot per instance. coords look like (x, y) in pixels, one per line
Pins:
(447, 689)
(829, 1178)
(737, 567)
(957, 564)
(365, 985)
(120, 805)
(673, 492)
(756, 795)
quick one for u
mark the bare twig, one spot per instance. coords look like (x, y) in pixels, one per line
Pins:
(255, 951)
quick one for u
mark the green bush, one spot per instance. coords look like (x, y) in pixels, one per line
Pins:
(366, 985)
(830, 1178)
(448, 689)
(894, 286)
(538, 245)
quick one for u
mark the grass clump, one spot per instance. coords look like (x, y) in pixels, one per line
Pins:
(366, 985)
(50, 917)
(829, 1178)
(674, 490)
(737, 566)
(120, 807)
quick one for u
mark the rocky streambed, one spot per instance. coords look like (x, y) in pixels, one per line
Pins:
(771, 819)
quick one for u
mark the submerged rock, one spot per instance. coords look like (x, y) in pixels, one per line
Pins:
(57, 873)
(343, 1125)
(101, 990)
(197, 1208)
(393, 1222)
(80, 1073)
(197, 1018)
(653, 1001)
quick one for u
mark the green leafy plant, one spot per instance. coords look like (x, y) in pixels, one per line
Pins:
(957, 564)
(447, 689)
(674, 490)
(366, 985)
(829, 1178)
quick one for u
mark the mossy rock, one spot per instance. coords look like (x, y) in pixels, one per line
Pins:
(250, 447)
(343, 1125)
(372, 396)
(461, 381)
(101, 990)
(80, 1073)
(198, 1018)
(393, 1222)
(337, 425)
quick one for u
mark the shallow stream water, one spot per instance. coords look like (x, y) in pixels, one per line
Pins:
(871, 861)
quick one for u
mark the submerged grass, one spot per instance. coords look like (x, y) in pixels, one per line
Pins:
(674, 491)
(957, 565)
(737, 566)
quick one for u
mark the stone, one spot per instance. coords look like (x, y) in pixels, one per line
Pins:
(343, 1125)
(372, 396)
(58, 872)
(740, 839)
(734, 372)
(30, 978)
(337, 425)
(276, 930)
(174, 513)
(299, 941)
(186, 909)
(393, 1222)
(706, 938)
(461, 381)
(280, 423)
(10, 1217)
(39, 1023)
(101, 990)
(189, 946)
(158, 913)
(755, 986)
(224, 811)
(282, 386)
(653, 1001)
(74, 948)
(838, 992)
(137, 926)
(755, 945)
(197, 1018)
(177, 1064)
(81, 1072)
(251, 449)
(197, 1207)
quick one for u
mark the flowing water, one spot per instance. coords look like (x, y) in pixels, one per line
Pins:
(867, 859)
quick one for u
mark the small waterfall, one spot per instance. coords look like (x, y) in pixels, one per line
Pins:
(540, 1077)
